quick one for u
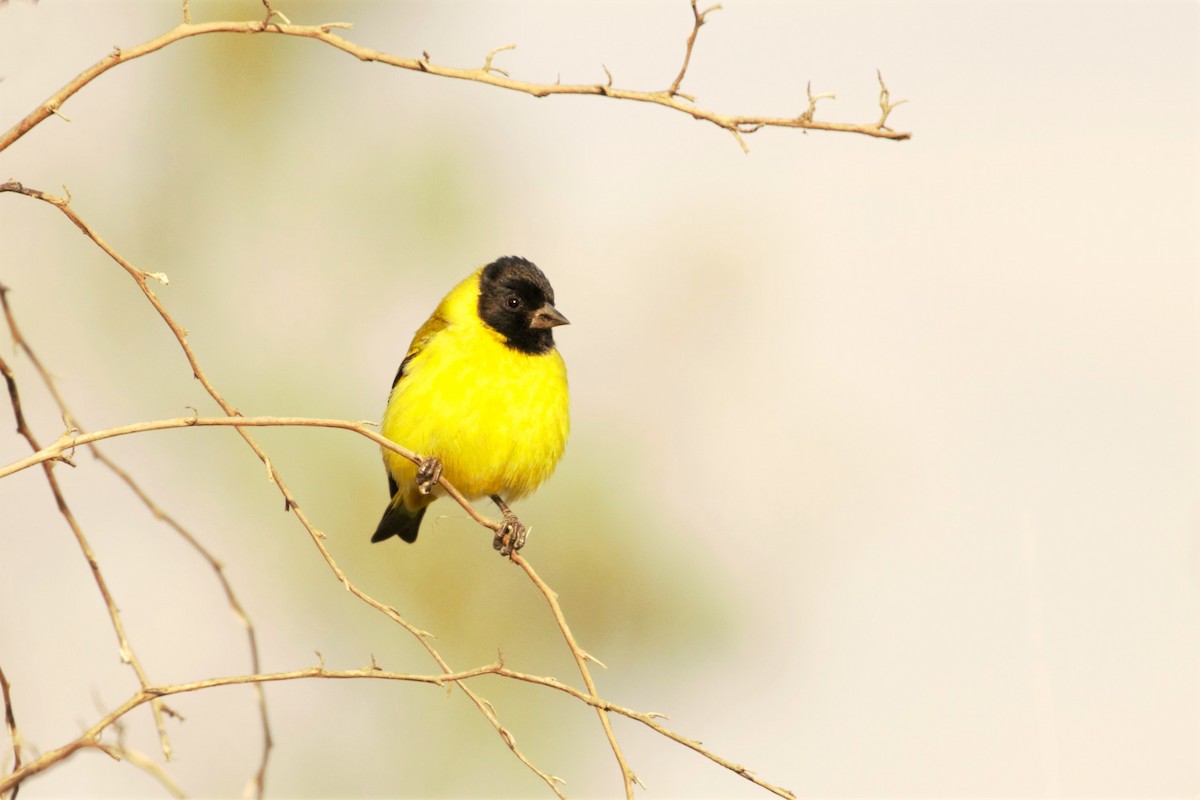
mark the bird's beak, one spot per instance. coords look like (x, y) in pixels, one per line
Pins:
(547, 317)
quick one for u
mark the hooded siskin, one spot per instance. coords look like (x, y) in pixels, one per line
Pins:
(482, 389)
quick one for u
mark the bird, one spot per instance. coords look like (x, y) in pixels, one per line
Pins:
(481, 396)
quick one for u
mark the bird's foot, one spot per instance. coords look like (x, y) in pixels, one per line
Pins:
(510, 536)
(429, 472)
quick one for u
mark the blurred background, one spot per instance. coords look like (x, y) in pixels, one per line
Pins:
(883, 470)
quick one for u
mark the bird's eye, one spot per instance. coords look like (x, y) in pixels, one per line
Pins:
(513, 302)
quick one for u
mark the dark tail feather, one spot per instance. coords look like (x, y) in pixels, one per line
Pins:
(399, 521)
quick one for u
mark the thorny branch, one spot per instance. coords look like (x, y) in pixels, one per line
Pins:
(258, 782)
(670, 97)
(120, 751)
(91, 737)
(150, 694)
(141, 277)
(67, 442)
(581, 659)
(74, 438)
(126, 651)
(10, 717)
(19, 341)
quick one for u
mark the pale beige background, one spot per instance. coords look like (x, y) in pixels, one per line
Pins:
(884, 465)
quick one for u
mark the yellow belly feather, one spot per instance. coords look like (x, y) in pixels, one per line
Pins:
(496, 418)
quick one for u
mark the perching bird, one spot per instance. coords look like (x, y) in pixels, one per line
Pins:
(482, 396)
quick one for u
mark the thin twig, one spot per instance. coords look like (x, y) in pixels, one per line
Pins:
(487, 62)
(146, 765)
(697, 20)
(669, 98)
(10, 717)
(813, 99)
(581, 659)
(150, 694)
(125, 650)
(885, 102)
(258, 782)
(73, 439)
(648, 719)
(91, 736)
(72, 422)
(259, 779)
(272, 13)
(122, 752)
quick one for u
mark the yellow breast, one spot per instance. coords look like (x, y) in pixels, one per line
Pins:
(497, 418)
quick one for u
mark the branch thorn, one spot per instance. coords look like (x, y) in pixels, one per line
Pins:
(885, 102)
(807, 116)
(272, 13)
(487, 63)
(737, 135)
(588, 656)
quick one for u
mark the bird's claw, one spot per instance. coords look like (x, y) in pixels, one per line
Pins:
(510, 537)
(429, 472)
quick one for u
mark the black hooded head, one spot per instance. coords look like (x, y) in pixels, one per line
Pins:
(516, 300)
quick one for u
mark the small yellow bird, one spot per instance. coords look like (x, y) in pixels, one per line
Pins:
(481, 395)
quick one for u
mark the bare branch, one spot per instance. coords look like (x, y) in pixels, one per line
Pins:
(140, 277)
(68, 441)
(647, 718)
(145, 764)
(697, 20)
(259, 779)
(152, 694)
(10, 718)
(581, 659)
(672, 98)
(73, 438)
(669, 98)
(122, 752)
(91, 737)
(125, 650)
